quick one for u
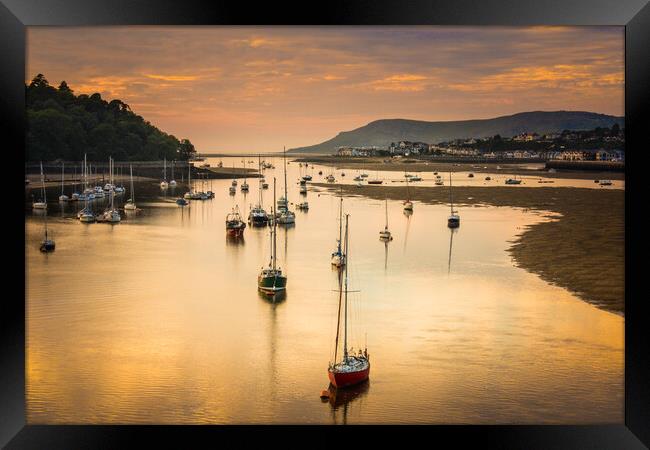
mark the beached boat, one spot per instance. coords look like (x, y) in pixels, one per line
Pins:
(353, 368)
(376, 180)
(439, 181)
(304, 206)
(513, 180)
(330, 178)
(234, 225)
(271, 279)
(385, 233)
(605, 182)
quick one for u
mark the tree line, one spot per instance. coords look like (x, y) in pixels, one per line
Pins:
(62, 125)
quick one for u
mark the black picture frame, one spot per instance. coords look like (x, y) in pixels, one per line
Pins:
(16, 15)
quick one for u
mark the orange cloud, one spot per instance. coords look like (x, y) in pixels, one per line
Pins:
(172, 77)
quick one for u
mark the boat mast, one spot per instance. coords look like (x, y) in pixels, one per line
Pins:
(451, 199)
(274, 229)
(345, 334)
(43, 184)
(259, 169)
(340, 225)
(387, 214)
(165, 168)
(113, 190)
(285, 177)
(132, 191)
(62, 175)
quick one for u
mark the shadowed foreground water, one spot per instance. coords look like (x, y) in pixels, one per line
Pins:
(158, 319)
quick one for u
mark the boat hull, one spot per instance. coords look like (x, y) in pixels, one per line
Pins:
(271, 284)
(345, 379)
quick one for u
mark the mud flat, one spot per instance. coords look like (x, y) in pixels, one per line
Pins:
(582, 247)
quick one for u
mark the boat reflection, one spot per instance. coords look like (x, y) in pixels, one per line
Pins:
(340, 400)
(385, 255)
(235, 241)
(273, 299)
(452, 231)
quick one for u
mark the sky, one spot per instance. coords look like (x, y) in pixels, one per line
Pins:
(232, 89)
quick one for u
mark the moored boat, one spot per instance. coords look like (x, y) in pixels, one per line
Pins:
(271, 279)
(353, 368)
(234, 225)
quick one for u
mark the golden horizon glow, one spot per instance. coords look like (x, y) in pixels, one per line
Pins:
(259, 88)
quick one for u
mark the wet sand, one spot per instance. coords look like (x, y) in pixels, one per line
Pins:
(580, 247)
(416, 165)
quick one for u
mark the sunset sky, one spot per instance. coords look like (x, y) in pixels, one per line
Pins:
(233, 89)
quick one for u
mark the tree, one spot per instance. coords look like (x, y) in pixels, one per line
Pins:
(186, 150)
(61, 124)
(616, 129)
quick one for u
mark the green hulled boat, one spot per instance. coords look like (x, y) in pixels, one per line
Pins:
(271, 279)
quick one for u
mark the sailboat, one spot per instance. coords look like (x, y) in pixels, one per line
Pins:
(376, 180)
(63, 197)
(130, 203)
(453, 221)
(408, 204)
(111, 215)
(190, 194)
(285, 216)
(75, 194)
(234, 225)
(86, 215)
(47, 244)
(163, 183)
(352, 368)
(244, 185)
(385, 234)
(338, 257)
(42, 203)
(172, 182)
(258, 217)
(271, 279)
(513, 180)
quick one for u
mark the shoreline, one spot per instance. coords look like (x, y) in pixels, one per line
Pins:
(581, 251)
(414, 165)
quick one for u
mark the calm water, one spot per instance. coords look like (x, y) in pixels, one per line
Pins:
(158, 319)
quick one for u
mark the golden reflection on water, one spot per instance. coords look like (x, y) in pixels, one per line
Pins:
(158, 320)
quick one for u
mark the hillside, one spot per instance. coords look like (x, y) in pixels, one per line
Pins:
(62, 125)
(381, 133)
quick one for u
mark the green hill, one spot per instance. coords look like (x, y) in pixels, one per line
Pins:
(62, 125)
(381, 133)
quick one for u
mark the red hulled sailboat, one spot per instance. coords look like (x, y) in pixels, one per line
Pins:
(352, 368)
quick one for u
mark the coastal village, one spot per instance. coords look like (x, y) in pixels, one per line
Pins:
(600, 144)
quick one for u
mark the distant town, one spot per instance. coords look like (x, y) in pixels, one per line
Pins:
(599, 144)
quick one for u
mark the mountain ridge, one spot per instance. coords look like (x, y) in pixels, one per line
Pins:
(382, 132)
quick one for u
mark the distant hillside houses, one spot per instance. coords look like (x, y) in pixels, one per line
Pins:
(588, 155)
(357, 151)
(407, 148)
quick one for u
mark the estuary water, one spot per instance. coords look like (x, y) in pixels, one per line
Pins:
(158, 319)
